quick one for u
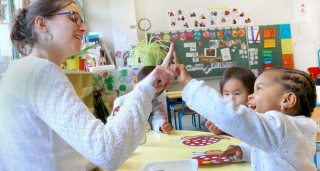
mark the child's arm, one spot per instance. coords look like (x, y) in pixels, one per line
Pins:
(116, 105)
(157, 116)
(246, 152)
(264, 131)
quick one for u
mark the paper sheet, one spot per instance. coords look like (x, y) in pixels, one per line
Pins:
(193, 46)
(254, 34)
(301, 11)
(225, 53)
(286, 45)
(269, 43)
(185, 45)
(119, 35)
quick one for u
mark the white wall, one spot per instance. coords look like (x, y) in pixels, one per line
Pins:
(5, 35)
(99, 19)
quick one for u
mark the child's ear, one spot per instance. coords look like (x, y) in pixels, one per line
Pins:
(134, 81)
(289, 101)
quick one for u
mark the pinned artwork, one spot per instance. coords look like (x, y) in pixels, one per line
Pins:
(268, 33)
(213, 44)
(213, 34)
(218, 59)
(182, 36)
(220, 34)
(166, 38)
(285, 31)
(221, 43)
(286, 45)
(199, 66)
(223, 65)
(207, 69)
(190, 68)
(210, 52)
(199, 44)
(242, 32)
(227, 33)
(197, 35)
(195, 59)
(268, 60)
(212, 156)
(254, 34)
(158, 37)
(201, 140)
(215, 65)
(269, 43)
(189, 35)
(206, 35)
(231, 64)
(287, 61)
(207, 60)
(174, 37)
(225, 53)
(234, 33)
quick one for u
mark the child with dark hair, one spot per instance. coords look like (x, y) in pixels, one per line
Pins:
(236, 84)
(156, 118)
(276, 127)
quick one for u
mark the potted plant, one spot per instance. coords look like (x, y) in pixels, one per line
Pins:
(150, 52)
(73, 62)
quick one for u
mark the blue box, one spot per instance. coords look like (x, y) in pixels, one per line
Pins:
(267, 60)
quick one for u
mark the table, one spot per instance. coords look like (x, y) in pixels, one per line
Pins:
(159, 147)
(172, 95)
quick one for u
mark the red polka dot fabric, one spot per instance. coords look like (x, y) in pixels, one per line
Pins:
(201, 141)
(212, 158)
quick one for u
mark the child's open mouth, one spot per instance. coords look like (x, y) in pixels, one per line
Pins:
(251, 106)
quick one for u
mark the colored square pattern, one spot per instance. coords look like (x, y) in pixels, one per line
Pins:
(285, 31)
(286, 45)
(268, 33)
(269, 43)
(287, 61)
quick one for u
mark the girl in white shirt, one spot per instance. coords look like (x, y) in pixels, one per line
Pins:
(44, 125)
(276, 127)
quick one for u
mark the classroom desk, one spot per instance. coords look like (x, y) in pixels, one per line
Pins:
(172, 95)
(159, 147)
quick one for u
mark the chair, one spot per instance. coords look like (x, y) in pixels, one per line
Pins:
(182, 109)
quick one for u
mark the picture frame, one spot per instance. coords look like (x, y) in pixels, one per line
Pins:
(210, 52)
(4, 18)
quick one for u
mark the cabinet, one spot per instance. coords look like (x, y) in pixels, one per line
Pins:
(82, 83)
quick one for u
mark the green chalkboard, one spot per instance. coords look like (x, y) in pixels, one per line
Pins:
(240, 59)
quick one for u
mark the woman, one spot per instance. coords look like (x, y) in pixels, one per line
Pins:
(43, 123)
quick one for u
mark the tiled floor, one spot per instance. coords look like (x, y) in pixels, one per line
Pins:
(186, 123)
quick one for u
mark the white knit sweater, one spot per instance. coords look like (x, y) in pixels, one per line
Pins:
(273, 141)
(156, 117)
(44, 125)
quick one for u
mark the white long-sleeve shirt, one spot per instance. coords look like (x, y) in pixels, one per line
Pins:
(43, 122)
(156, 117)
(273, 141)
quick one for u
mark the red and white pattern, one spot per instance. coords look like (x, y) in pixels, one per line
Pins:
(201, 141)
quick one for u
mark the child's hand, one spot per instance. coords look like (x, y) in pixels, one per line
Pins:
(166, 127)
(213, 128)
(231, 151)
(180, 70)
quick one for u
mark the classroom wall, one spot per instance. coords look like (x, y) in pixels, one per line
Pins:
(4, 36)
(264, 12)
(99, 19)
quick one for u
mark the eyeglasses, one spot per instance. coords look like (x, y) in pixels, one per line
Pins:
(75, 17)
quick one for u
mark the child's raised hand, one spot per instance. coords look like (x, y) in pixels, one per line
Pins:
(213, 128)
(183, 76)
(231, 151)
(166, 127)
(168, 58)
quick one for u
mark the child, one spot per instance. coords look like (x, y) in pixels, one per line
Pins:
(276, 129)
(156, 118)
(236, 84)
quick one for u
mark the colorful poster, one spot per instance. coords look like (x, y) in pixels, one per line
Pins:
(206, 35)
(269, 43)
(301, 10)
(285, 31)
(212, 157)
(166, 38)
(208, 17)
(286, 45)
(174, 37)
(268, 33)
(254, 34)
(287, 61)
(182, 36)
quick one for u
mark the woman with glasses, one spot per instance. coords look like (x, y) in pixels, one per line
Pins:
(43, 123)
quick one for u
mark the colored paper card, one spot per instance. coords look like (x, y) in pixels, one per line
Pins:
(265, 66)
(225, 53)
(267, 60)
(286, 45)
(268, 33)
(285, 31)
(254, 34)
(207, 60)
(269, 43)
(287, 61)
(193, 46)
(190, 55)
(266, 54)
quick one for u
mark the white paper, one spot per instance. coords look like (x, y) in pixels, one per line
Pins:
(207, 69)
(199, 66)
(251, 62)
(190, 68)
(119, 35)
(256, 62)
(245, 56)
(301, 11)
(241, 52)
(242, 56)
(225, 53)
(214, 44)
(251, 58)
(195, 59)
(193, 46)
(256, 57)
(185, 45)
(195, 54)
(245, 52)
(189, 55)
(215, 65)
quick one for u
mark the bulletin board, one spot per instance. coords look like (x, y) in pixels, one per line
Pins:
(246, 46)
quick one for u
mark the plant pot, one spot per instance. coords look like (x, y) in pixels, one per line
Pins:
(150, 60)
(73, 64)
(82, 63)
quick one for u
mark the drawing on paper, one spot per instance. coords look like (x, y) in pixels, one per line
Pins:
(201, 140)
(212, 156)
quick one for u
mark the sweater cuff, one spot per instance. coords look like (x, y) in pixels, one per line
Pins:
(147, 89)
(246, 152)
